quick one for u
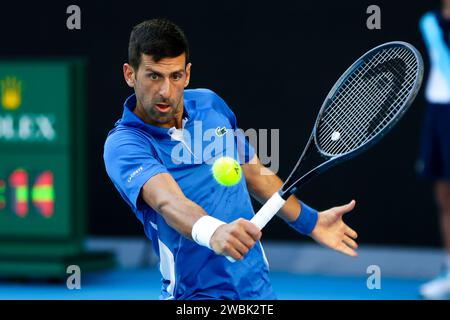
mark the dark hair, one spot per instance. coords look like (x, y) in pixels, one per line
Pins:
(159, 38)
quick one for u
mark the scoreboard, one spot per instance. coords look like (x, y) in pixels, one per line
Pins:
(42, 161)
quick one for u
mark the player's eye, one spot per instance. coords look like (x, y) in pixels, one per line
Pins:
(153, 76)
(177, 76)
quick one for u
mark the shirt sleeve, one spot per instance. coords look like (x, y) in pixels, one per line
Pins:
(130, 162)
(245, 150)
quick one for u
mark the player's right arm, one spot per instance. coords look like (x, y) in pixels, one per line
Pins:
(163, 194)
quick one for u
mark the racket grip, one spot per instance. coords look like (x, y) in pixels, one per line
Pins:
(268, 210)
(266, 213)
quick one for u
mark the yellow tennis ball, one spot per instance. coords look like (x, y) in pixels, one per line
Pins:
(227, 171)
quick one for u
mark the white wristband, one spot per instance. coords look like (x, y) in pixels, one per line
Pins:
(203, 230)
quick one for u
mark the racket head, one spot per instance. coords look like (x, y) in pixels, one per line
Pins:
(368, 99)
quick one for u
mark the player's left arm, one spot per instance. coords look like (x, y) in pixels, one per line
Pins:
(325, 227)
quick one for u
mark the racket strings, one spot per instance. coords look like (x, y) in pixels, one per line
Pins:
(380, 95)
(368, 100)
(348, 92)
(395, 99)
(345, 95)
(361, 122)
(363, 100)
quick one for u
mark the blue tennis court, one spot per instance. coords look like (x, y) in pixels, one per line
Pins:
(298, 272)
(143, 284)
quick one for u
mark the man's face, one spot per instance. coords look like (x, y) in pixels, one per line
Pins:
(159, 88)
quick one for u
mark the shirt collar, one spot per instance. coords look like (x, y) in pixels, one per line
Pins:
(129, 118)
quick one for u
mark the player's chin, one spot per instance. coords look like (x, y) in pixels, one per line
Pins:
(163, 118)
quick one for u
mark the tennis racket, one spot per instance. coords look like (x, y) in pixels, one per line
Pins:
(363, 105)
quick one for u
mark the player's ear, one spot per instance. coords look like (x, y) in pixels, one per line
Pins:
(188, 74)
(128, 74)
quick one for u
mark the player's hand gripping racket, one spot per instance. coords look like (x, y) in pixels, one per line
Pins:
(363, 105)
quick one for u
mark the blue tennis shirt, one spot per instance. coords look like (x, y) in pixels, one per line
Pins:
(135, 151)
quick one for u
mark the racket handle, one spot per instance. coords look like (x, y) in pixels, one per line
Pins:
(266, 213)
(268, 210)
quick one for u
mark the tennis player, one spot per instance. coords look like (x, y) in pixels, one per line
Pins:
(193, 221)
(434, 162)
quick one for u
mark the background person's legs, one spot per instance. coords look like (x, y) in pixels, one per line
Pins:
(439, 288)
(442, 192)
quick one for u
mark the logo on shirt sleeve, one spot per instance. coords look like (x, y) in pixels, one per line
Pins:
(135, 173)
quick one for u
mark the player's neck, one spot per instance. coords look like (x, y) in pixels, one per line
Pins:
(179, 118)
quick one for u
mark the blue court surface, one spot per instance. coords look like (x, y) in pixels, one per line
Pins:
(143, 284)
